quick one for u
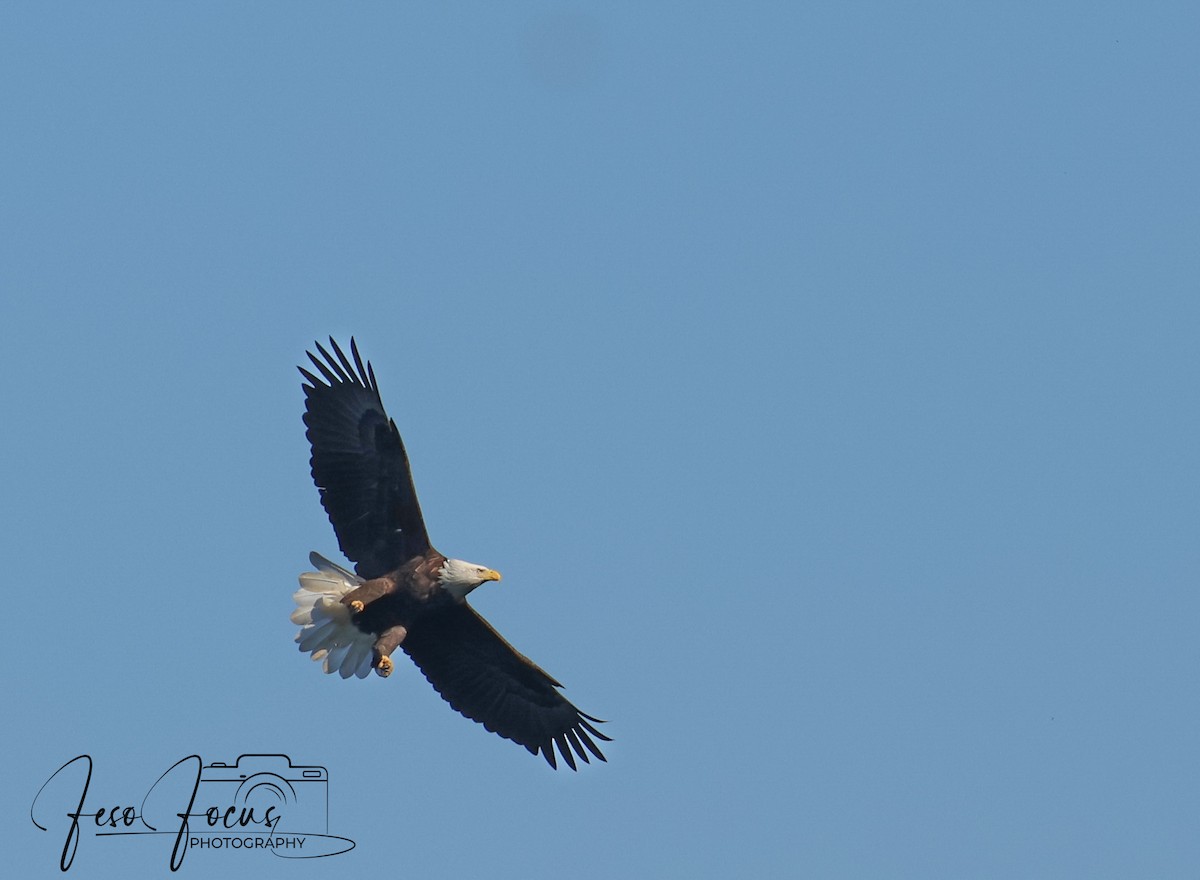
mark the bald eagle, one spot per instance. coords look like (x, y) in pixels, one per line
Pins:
(403, 593)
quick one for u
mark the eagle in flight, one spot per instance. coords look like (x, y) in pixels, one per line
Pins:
(403, 593)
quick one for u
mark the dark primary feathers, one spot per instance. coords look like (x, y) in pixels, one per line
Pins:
(482, 676)
(362, 471)
(360, 466)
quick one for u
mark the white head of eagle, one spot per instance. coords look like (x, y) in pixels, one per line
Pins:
(459, 578)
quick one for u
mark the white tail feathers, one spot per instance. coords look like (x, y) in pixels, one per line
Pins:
(326, 629)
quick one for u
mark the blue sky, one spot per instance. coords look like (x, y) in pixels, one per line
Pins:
(822, 378)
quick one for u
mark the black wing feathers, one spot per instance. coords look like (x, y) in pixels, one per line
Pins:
(482, 676)
(359, 464)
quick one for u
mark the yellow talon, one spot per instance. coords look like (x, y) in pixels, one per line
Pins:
(357, 606)
(384, 668)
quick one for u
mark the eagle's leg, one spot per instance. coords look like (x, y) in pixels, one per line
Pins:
(362, 596)
(388, 641)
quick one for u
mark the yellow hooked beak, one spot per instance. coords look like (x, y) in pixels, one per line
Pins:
(491, 575)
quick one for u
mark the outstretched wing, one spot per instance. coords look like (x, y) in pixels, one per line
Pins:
(482, 676)
(360, 466)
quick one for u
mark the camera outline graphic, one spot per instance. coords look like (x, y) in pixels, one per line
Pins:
(298, 793)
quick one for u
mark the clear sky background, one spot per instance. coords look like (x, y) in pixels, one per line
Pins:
(822, 378)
